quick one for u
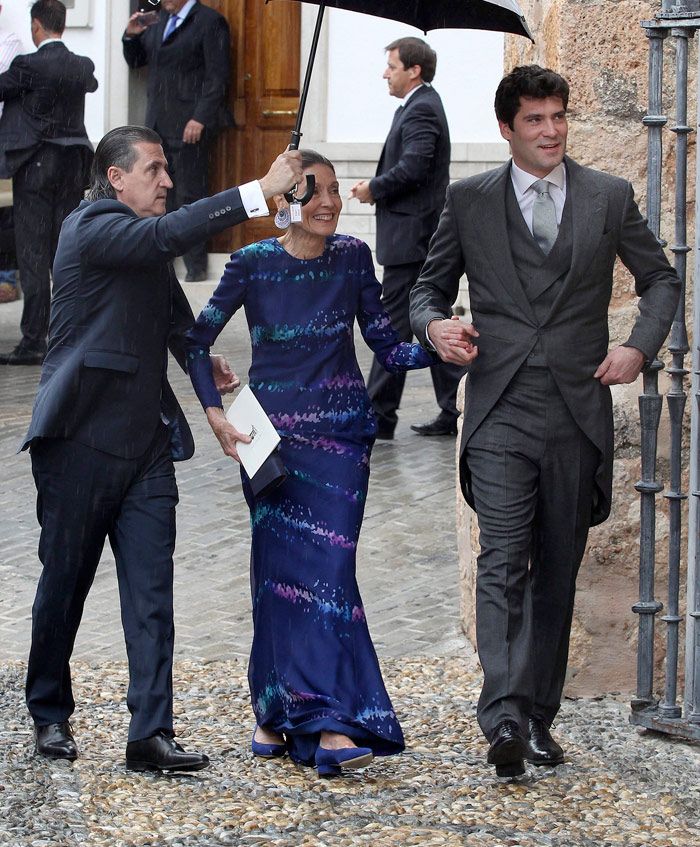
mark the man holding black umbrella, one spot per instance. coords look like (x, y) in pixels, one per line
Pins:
(409, 192)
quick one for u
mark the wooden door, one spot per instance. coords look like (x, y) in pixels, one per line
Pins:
(263, 96)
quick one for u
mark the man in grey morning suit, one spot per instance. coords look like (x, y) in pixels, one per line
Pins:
(537, 239)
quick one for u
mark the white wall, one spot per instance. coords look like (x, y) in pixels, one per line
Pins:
(470, 65)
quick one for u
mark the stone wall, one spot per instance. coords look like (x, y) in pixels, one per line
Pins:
(599, 46)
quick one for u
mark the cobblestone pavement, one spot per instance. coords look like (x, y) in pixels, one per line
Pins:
(616, 788)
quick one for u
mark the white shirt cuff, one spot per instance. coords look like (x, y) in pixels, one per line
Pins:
(428, 343)
(253, 200)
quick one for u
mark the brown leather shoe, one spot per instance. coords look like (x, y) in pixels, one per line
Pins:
(55, 741)
(542, 749)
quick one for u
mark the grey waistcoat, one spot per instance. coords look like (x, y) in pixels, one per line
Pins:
(540, 275)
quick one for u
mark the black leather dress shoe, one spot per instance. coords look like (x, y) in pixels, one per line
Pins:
(542, 749)
(22, 355)
(162, 753)
(442, 425)
(508, 749)
(384, 434)
(196, 276)
(55, 741)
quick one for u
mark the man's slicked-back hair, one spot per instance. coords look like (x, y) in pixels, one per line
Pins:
(527, 81)
(415, 51)
(51, 14)
(116, 149)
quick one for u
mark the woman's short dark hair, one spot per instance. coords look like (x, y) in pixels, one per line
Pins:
(415, 51)
(527, 81)
(51, 14)
(116, 149)
(311, 157)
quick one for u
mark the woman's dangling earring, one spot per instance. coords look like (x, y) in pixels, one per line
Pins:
(283, 218)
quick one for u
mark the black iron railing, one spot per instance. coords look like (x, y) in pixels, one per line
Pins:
(680, 21)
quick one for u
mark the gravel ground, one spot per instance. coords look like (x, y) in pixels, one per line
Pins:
(616, 788)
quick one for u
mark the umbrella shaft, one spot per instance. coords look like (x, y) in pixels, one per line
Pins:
(296, 132)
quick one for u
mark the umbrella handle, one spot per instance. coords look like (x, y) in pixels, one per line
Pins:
(290, 196)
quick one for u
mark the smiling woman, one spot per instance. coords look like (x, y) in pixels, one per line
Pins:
(316, 687)
(306, 239)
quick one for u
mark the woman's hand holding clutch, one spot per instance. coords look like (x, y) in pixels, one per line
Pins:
(227, 434)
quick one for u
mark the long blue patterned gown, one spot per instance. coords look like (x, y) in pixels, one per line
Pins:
(313, 666)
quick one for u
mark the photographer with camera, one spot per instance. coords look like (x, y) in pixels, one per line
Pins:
(187, 48)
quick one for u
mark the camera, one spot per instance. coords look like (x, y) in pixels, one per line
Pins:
(147, 18)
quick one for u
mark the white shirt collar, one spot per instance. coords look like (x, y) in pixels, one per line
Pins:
(411, 93)
(48, 41)
(522, 180)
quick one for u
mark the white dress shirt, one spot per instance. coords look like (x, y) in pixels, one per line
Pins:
(522, 185)
(10, 46)
(412, 92)
(183, 13)
(253, 199)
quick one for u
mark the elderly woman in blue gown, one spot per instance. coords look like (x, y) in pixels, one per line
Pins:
(316, 688)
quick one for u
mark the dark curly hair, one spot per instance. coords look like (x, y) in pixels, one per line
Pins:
(527, 81)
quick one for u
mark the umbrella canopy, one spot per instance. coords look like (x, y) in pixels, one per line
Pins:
(497, 15)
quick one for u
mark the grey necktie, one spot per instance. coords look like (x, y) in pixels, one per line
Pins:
(544, 216)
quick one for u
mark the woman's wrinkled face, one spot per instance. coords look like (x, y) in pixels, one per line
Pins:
(320, 215)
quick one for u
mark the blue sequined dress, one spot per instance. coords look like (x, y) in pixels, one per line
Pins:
(313, 666)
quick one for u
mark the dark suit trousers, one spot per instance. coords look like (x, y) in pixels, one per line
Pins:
(189, 170)
(44, 192)
(532, 475)
(83, 497)
(385, 389)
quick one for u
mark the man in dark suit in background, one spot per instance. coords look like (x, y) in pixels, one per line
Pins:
(409, 192)
(106, 428)
(188, 53)
(537, 239)
(46, 151)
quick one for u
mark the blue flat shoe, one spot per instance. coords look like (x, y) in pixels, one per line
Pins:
(267, 751)
(331, 762)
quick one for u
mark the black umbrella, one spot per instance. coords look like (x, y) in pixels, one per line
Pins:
(498, 15)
